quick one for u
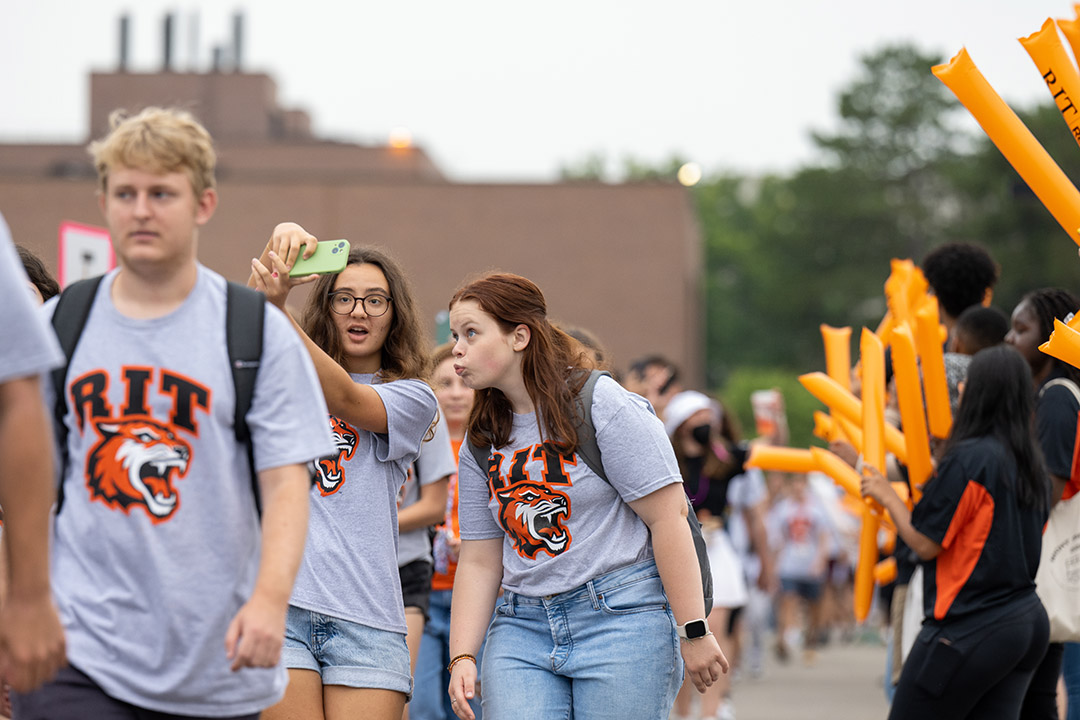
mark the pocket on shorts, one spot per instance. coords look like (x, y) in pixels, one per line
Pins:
(645, 595)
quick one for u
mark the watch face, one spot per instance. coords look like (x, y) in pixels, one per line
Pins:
(695, 629)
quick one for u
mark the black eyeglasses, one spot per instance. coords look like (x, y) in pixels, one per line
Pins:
(344, 303)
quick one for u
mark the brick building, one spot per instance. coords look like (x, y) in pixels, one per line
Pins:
(621, 260)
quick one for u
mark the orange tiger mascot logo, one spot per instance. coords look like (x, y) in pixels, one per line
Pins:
(328, 470)
(135, 464)
(532, 515)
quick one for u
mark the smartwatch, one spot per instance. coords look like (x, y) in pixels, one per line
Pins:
(692, 630)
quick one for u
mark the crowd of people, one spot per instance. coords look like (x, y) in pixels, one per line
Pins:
(216, 509)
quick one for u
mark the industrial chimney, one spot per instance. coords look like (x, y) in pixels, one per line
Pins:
(238, 41)
(125, 38)
(167, 49)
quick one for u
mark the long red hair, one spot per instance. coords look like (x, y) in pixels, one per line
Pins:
(554, 366)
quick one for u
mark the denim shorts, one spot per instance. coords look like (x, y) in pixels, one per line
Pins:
(346, 653)
(808, 590)
(606, 650)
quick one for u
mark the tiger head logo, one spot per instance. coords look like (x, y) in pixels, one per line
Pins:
(532, 515)
(134, 464)
(328, 470)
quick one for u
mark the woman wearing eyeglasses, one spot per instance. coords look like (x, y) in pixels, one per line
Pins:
(345, 632)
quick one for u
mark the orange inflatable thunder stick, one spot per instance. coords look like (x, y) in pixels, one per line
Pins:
(1014, 141)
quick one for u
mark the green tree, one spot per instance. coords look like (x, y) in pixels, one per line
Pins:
(996, 208)
(785, 253)
(591, 168)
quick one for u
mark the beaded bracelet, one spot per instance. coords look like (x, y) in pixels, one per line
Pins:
(462, 656)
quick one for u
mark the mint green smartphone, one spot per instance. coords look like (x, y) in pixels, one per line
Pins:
(329, 258)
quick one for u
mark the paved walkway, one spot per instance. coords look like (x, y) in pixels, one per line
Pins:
(844, 683)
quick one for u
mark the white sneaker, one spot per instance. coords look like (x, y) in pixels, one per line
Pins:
(726, 711)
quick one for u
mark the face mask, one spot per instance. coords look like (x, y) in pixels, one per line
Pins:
(701, 434)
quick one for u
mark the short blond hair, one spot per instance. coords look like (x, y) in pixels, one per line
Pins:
(158, 140)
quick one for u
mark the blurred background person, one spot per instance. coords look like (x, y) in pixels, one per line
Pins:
(430, 700)
(708, 462)
(655, 378)
(422, 506)
(42, 283)
(978, 529)
(800, 528)
(1057, 403)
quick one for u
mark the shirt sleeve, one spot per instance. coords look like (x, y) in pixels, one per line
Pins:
(1055, 424)
(410, 410)
(637, 454)
(30, 346)
(934, 513)
(749, 491)
(474, 515)
(436, 459)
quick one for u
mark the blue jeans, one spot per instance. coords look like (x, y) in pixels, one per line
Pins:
(606, 650)
(431, 701)
(1070, 666)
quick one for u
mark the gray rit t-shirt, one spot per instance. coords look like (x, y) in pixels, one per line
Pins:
(157, 544)
(29, 347)
(563, 525)
(435, 463)
(797, 527)
(350, 568)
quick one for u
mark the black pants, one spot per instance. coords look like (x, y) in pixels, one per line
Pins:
(1040, 703)
(980, 670)
(71, 695)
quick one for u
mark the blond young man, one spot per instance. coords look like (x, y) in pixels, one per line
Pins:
(171, 586)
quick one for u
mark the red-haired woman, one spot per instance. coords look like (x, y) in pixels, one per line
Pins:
(603, 602)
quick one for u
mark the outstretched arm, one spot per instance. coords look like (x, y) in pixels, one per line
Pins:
(429, 509)
(357, 404)
(754, 517)
(257, 632)
(874, 485)
(31, 639)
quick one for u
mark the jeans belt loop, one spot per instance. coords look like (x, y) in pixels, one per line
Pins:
(593, 595)
(511, 601)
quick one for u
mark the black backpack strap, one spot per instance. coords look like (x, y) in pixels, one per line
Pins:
(586, 446)
(589, 451)
(480, 455)
(68, 320)
(245, 310)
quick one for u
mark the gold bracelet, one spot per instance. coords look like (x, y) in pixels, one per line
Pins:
(457, 658)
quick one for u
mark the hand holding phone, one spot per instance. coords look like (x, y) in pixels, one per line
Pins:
(330, 257)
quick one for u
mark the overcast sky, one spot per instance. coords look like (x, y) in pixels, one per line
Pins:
(505, 90)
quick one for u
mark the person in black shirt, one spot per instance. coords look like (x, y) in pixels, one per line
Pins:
(1056, 412)
(978, 529)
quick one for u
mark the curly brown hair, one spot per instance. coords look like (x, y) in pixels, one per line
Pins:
(38, 273)
(405, 353)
